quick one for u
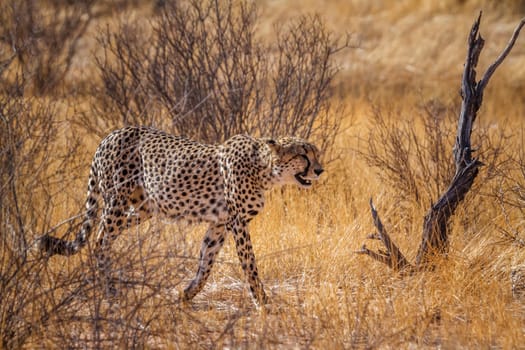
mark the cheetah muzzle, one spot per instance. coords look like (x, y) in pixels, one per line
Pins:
(145, 172)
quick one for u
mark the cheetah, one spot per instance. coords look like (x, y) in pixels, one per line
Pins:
(145, 171)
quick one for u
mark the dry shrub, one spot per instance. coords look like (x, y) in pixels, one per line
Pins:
(510, 195)
(43, 37)
(412, 156)
(147, 276)
(412, 152)
(199, 70)
(30, 179)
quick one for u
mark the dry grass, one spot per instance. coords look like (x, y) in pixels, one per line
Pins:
(323, 295)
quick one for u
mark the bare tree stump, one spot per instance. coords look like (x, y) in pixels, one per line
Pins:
(435, 239)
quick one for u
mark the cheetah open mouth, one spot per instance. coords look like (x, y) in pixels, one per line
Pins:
(299, 177)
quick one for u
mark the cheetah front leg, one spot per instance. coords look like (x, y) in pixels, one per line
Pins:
(247, 258)
(211, 245)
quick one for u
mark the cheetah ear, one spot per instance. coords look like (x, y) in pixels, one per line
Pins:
(274, 145)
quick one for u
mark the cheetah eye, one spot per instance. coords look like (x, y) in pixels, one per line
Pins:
(303, 151)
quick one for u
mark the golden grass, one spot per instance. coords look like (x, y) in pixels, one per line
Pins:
(323, 295)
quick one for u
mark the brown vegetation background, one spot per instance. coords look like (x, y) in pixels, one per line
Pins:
(391, 111)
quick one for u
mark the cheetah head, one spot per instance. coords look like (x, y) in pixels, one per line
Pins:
(296, 161)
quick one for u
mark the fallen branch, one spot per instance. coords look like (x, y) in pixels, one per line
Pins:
(393, 256)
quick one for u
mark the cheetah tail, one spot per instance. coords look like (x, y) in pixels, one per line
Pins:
(51, 245)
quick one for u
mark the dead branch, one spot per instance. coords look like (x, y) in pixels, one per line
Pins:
(435, 238)
(393, 256)
(435, 227)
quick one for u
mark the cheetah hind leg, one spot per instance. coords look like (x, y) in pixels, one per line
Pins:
(105, 273)
(114, 220)
(211, 245)
(103, 259)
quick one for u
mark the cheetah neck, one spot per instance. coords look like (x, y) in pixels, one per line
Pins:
(274, 174)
